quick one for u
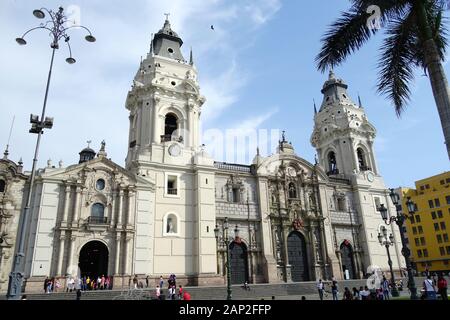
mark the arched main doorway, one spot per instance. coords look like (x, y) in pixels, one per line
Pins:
(297, 256)
(93, 260)
(347, 260)
(239, 263)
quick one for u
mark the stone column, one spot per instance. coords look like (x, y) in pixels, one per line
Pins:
(66, 204)
(71, 254)
(155, 138)
(372, 158)
(120, 204)
(117, 264)
(112, 220)
(131, 206)
(127, 256)
(62, 241)
(77, 208)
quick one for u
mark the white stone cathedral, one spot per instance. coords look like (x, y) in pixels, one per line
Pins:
(295, 221)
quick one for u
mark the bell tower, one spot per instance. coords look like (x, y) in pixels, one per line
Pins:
(164, 104)
(343, 136)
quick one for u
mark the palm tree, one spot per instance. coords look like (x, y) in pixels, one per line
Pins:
(415, 37)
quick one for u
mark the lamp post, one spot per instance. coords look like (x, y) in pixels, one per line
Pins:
(58, 30)
(387, 242)
(225, 242)
(399, 219)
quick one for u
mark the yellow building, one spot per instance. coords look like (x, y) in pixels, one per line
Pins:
(428, 230)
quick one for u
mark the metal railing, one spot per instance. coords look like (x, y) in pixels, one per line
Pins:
(232, 167)
(172, 191)
(97, 220)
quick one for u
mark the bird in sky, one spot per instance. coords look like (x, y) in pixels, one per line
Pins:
(212, 27)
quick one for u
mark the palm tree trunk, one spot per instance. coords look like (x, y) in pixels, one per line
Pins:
(438, 79)
(441, 90)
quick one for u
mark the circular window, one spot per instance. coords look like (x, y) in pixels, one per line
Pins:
(170, 50)
(100, 185)
(173, 83)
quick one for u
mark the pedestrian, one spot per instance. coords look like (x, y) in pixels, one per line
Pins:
(172, 293)
(107, 282)
(45, 284)
(380, 294)
(442, 287)
(334, 289)
(158, 292)
(385, 286)
(24, 297)
(347, 294)
(429, 288)
(78, 294)
(246, 286)
(186, 295)
(146, 282)
(99, 283)
(356, 295)
(88, 283)
(161, 282)
(320, 288)
(364, 293)
(135, 281)
(180, 292)
(102, 283)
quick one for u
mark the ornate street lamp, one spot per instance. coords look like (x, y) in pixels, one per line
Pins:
(387, 242)
(56, 26)
(225, 242)
(399, 219)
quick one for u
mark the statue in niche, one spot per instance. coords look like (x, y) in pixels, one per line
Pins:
(170, 226)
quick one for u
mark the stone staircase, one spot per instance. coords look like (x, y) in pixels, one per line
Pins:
(256, 292)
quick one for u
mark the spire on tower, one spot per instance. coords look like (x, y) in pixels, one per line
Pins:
(151, 45)
(6, 153)
(315, 108)
(359, 101)
(191, 58)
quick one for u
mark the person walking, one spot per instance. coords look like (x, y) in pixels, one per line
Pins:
(347, 294)
(78, 294)
(180, 292)
(135, 281)
(334, 289)
(186, 296)
(442, 287)
(385, 286)
(158, 292)
(356, 295)
(320, 288)
(429, 288)
(146, 281)
(161, 282)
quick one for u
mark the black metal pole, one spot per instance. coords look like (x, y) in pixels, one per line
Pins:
(229, 291)
(17, 274)
(406, 253)
(394, 287)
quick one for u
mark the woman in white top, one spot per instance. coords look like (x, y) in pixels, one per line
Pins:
(429, 288)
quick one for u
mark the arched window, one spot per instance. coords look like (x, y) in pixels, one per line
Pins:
(292, 191)
(332, 164)
(2, 185)
(170, 125)
(362, 160)
(97, 213)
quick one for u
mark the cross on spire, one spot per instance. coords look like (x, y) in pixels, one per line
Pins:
(89, 143)
(167, 15)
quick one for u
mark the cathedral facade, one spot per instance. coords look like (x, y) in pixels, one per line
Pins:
(173, 209)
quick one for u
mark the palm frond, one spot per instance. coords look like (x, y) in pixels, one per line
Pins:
(344, 36)
(400, 52)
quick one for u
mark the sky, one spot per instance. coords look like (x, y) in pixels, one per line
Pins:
(256, 70)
